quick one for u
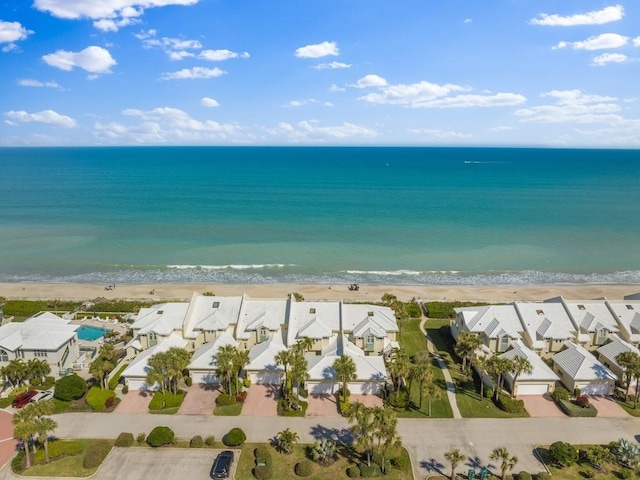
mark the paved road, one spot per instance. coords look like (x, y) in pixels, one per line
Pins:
(426, 440)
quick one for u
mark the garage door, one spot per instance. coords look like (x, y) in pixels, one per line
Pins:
(320, 388)
(207, 378)
(135, 384)
(533, 389)
(594, 389)
(266, 378)
(365, 388)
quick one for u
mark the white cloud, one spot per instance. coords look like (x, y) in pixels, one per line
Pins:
(310, 131)
(596, 17)
(318, 50)
(636, 42)
(92, 59)
(465, 101)
(175, 48)
(209, 102)
(48, 117)
(109, 15)
(502, 128)
(221, 55)
(180, 54)
(328, 104)
(195, 72)
(371, 80)
(439, 134)
(605, 58)
(468, 20)
(12, 32)
(336, 88)
(300, 103)
(576, 97)
(27, 82)
(599, 42)
(332, 65)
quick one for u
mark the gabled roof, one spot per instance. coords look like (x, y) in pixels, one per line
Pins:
(495, 321)
(261, 313)
(262, 355)
(320, 319)
(367, 367)
(211, 313)
(627, 312)
(369, 326)
(614, 348)
(355, 317)
(204, 358)
(591, 315)
(579, 364)
(545, 321)
(162, 319)
(45, 331)
(314, 329)
(139, 366)
(540, 370)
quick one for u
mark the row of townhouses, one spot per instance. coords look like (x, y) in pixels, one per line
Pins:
(579, 339)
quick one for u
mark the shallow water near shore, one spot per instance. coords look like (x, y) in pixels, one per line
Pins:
(451, 216)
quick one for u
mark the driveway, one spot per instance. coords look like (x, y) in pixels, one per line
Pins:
(200, 400)
(7, 443)
(367, 400)
(607, 407)
(541, 406)
(136, 401)
(322, 406)
(262, 401)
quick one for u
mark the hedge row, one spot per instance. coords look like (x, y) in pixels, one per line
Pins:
(508, 404)
(575, 411)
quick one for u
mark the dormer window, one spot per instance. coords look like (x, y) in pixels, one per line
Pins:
(370, 314)
(312, 310)
(629, 307)
(540, 312)
(216, 304)
(581, 307)
(263, 334)
(160, 312)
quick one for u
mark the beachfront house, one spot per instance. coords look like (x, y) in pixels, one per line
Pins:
(608, 352)
(371, 328)
(627, 314)
(259, 320)
(546, 326)
(135, 375)
(542, 379)
(44, 336)
(579, 369)
(319, 321)
(497, 326)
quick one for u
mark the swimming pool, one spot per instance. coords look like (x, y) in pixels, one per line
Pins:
(88, 333)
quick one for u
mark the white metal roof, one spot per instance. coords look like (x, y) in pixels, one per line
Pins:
(617, 346)
(540, 370)
(139, 365)
(162, 319)
(591, 315)
(42, 332)
(545, 321)
(495, 321)
(312, 318)
(205, 357)
(581, 365)
(263, 354)
(628, 314)
(211, 313)
(356, 318)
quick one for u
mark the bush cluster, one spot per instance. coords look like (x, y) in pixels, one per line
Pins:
(71, 387)
(115, 380)
(582, 401)
(368, 471)
(97, 398)
(166, 400)
(124, 440)
(304, 468)
(160, 436)
(262, 472)
(224, 399)
(508, 404)
(560, 393)
(241, 397)
(188, 381)
(246, 382)
(262, 455)
(543, 476)
(17, 464)
(575, 411)
(353, 471)
(524, 476)
(141, 437)
(125, 389)
(196, 442)
(210, 440)
(234, 438)
(563, 454)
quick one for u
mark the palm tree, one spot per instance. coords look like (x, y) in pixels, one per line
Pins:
(422, 375)
(455, 457)
(431, 390)
(15, 372)
(42, 408)
(398, 366)
(305, 344)
(224, 364)
(286, 439)
(345, 369)
(158, 372)
(480, 363)
(26, 416)
(240, 360)
(626, 360)
(466, 345)
(177, 362)
(23, 431)
(519, 365)
(498, 366)
(100, 368)
(386, 430)
(299, 369)
(37, 368)
(284, 358)
(507, 462)
(42, 427)
(364, 427)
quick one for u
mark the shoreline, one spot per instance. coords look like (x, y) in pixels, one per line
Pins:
(316, 292)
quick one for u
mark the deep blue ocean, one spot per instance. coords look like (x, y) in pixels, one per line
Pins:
(298, 214)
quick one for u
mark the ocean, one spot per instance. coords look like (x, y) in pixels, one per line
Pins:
(374, 215)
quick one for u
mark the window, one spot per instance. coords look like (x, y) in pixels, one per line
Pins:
(602, 335)
(539, 312)
(216, 304)
(581, 307)
(4, 356)
(504, 343)
(629, 307)
(369, 341)
(312, 310)
(39, 353)
(370, 314)
(153, 339)
(262, 335)
(160, 312)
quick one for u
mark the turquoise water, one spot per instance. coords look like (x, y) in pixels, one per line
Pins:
(89, 333)
(369, 215)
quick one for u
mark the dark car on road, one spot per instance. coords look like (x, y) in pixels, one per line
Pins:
(221, 467)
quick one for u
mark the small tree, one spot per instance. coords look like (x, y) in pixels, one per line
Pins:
(519, 365)
(286, 439)
(563, 454)
(507, 461)
(455, 457)
(598, 455)
(44, 426)
(431, 391)
(323, 451)
(345, 369)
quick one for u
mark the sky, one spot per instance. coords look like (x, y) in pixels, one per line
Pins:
(320, 72)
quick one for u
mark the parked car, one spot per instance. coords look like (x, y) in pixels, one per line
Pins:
(44, 395)
(21, 400)
(221, 467)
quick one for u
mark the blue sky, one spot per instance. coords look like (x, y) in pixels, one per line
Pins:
(325, 72)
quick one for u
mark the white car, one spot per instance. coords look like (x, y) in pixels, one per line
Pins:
(44, 395)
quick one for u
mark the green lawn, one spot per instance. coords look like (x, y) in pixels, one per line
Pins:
(228, 410)
(411, 338)
(580, 471)
(467, 397)
(70, 466)
(628, 406)
(283, 465)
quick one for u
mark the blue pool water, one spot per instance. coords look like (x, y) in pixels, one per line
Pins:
(85, 332)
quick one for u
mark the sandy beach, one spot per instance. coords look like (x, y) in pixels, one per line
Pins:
(181, 292)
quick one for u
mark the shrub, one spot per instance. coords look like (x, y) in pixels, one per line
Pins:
(125, 389)
(49, 382)
(234, 438)
(353, 471)
(344, 406)
(95, 454)
(399, 399)
(241, 397)
(588, 473)
(563, 454)
(304, 468)
(188, 381)
(71, 387)
(5, 402)
(210, 440)
(412, 309)
(196, 442)
(400, 462)
(508, 404)
(560, 394)
(160, 436)
(115, 380)
(575, 411)
(109, 402)
(577, 392)
(17, 464)
(262, 455)
(166, 400)
(625, 473)
(124, 440)
(224, 399)
(97, 398)
(543, 476)
(262, 472)
(367, 471)
(582, 401)
(488, 393)
(59, 448)
(246, 382)
(141, 437)
(524, 476)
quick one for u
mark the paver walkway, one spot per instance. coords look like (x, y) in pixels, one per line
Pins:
(451, 388)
